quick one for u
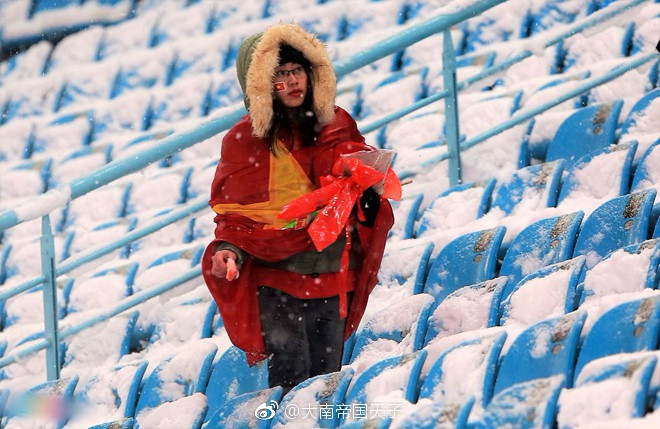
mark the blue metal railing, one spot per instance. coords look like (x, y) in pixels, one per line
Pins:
(44, 204)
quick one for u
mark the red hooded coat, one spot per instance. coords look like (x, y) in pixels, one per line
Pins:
(244, 179)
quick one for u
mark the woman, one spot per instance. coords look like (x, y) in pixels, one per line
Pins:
(279, 297)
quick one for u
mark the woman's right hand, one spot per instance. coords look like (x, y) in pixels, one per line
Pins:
(224, 265)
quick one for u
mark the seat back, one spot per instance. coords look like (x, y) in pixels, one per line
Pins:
(611, 165)
(473, 197)
(469, 259)
(316, 394)
(551, 291)
(526, 405)
(626, 220)
(232, 376)
(647, 175)
(628, 327)
(448, 382)
(545, 242)
(586, 130)
(469, 308)
(542, 350)
(533, 187)
(249, 410)
(413, 313)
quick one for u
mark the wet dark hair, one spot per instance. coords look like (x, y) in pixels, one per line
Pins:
(303, 117)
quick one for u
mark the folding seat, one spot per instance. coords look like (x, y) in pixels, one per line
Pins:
(399, 374)
(529, 188)
(556, 12)
(158, 188)
(607, 278)
(430, 50)
(406, 214)
(647, 175)
(34, 97)
(108, 395)
(317, 399)
(194, 20)
(551, 291)
(529, 404)
(124, 114)
(252, 409)
(27, 307)
(474, 199)
(630, 326)
(77, 49)
(59, 136)
(587, 130)
(622, 386)
(131, 34)
(87, 85)
(405, 263)
(540, 244)
(32, 175)
(469, 308)
(489, 27)
(582, 51)
(397, 90)
(542, 350)
(427, 126)
(49, 398)
(102, 344)
(225, 91)
(175, 262)
(144, 69)
(370, 16)
(31, 63)
(381, 336)
(190, 307)
(201, 55)
(181, 376)
(116, 282)
(168, 107)
(626, 219)
(440, 414)
(231, 377)
(16, 137)
(476, 255)
(79, 163)
(465, 371)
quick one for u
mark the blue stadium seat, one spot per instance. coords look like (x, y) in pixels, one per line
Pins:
(50, 398)
(208, 56)
(469, 308)
(380, 332)
(146, 70)
(526, 405)
(641, 261)
(399, 373)
(317, 399)
(168, 107)
(108, 396)
(212, 320)
(489, 28)
(88, 85)
(124, 114)
(440, 414)
(473, 197)
(397, 90)
(551, 291)
(529, 188)
(479, 357)
(406, 214)
(242, 410)
(194, 20)
(627, 327)
(100, 344)
(77, 49)
(224, 92)
(639, 114)
(79, 163)
(581, 52)
(613, 164)
(35, 97)
(542, 350)
(30, 63)
(232, 377)
(540, 244)
(556, 12)
(585, 131)
(646, 174)
(127, 423)
(367, 17)
(129, 35)
(475, 253)
(626, 219)
(632, 373)
(405, 263)
(21, 133)
(171, 380)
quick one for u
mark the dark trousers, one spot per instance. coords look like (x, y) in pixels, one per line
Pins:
(303, 337)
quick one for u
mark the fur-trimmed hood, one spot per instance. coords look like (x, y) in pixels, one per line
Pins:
(257, 59)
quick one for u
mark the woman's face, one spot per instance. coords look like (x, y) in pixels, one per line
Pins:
(290, 84)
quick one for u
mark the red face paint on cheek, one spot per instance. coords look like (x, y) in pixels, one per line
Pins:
(280, 86)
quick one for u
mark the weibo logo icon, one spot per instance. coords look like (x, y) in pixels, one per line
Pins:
(266, 411)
